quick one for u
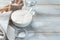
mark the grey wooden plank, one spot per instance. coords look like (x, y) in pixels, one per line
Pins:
(46, 1)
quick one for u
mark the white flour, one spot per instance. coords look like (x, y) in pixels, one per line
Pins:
(21, 16)
(22, 34)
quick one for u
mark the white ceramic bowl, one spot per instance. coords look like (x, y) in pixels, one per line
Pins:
(21, 18)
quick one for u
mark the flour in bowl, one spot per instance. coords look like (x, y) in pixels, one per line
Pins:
(21, 16)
